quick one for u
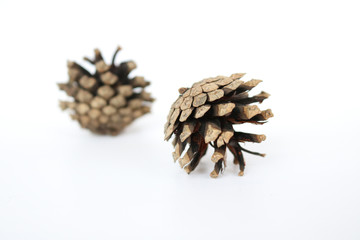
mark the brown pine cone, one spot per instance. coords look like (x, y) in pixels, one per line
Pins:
(205, 113)
(108, 100)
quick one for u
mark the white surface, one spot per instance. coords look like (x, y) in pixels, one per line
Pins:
(58, 181)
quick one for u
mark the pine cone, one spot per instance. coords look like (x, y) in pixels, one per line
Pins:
(108, 100)
(204, 114)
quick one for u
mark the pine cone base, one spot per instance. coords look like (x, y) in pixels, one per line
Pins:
(108, 100)
(204, 115)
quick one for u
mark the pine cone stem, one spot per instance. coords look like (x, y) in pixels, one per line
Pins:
(89, 60)
(114, 56)
(254, 153)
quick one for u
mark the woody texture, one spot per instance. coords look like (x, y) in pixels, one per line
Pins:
(204, 115)
(107, 101)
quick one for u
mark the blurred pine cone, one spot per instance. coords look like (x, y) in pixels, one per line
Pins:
(205, 113)
(108, 100)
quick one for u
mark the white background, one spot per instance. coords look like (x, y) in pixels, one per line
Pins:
(58, 181)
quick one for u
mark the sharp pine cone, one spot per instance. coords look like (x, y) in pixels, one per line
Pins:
(108, 100)
(205, 113)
